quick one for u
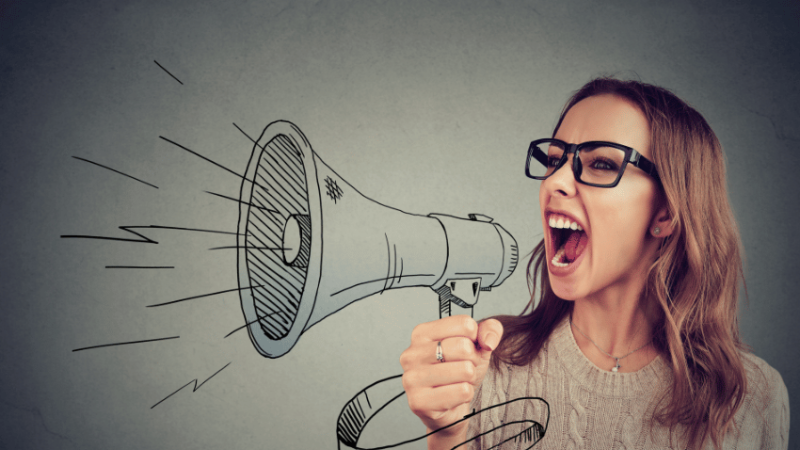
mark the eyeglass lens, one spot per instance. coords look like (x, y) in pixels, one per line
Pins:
(600, 164)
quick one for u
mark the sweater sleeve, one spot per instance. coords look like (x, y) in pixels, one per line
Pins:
(765, 422)
(776, 414)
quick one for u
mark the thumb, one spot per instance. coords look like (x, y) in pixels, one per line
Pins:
(490, 331)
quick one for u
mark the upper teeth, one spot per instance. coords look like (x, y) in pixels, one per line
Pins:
(563, 222)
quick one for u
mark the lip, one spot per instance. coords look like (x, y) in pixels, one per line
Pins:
(550, 251)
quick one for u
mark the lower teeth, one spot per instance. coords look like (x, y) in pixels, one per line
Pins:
(556, 261)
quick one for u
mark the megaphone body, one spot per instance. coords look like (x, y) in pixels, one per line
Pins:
(310, 244)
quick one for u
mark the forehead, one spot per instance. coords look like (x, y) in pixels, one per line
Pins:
(606, 118)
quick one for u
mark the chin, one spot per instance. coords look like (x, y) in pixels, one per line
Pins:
(566, 281)
(563, 289)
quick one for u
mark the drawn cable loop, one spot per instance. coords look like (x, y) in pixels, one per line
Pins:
(354, 418)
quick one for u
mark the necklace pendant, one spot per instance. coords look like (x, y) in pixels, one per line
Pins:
(616, 368)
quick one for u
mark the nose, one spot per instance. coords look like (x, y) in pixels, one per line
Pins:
(562, 181)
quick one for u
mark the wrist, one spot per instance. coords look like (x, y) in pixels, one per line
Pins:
(448, 438)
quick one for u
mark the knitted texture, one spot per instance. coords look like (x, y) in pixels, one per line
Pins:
(590, 408)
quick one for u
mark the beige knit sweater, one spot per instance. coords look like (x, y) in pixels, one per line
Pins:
(590, 408)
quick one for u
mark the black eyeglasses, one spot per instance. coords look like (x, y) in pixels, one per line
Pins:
(596, 163)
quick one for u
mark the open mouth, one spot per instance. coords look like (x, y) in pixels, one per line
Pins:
(567, 238)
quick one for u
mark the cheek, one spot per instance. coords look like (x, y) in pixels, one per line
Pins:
(620, 222)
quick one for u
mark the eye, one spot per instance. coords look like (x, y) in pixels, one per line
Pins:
(552, 161)
(600, 163)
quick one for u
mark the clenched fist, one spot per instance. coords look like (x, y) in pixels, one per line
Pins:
(440, 392)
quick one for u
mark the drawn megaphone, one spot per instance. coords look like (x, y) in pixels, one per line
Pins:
(310, 244)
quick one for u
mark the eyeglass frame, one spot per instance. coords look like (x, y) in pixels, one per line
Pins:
(631, 156)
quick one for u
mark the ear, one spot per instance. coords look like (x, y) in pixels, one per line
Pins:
(661, 225)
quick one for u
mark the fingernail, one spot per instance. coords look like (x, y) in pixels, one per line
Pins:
(491, 341)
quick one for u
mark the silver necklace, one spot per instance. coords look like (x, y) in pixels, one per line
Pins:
(616, 359)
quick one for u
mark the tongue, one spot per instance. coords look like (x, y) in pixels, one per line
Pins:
(576, 242)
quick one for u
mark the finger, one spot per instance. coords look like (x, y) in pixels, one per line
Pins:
(490, 332)
(437, 330)
(441, 398)
(455, 349)
(441, 375)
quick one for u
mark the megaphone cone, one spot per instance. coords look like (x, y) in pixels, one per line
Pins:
(311, 244)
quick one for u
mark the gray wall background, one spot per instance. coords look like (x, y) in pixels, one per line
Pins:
(427, 106)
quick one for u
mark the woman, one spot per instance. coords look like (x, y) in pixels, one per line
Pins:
(634, 341)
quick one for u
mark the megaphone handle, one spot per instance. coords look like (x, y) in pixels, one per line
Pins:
(448, 308)
(458, 296)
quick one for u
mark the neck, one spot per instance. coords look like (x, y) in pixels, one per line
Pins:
(617, 324)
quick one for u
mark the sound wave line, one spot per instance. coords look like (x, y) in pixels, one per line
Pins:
(145, 239)
(202, 296)
(116, 171)
(200, 230)
(195, 388)
(125, 343)
(248, 136)
(228, 247)
(212, 162)
(254, 321)
(242, 202)
(165, 70)
(127, 228)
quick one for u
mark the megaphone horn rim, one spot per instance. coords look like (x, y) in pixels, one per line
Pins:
(284, 340)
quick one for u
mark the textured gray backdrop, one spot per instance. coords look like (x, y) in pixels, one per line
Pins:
(427, 106)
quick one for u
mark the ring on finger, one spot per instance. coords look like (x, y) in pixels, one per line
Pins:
(439, 354)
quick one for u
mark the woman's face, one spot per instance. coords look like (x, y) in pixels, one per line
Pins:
(615, 248)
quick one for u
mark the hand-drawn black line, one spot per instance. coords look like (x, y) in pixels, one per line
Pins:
(303, 273)
(170, 74)
(125, 343)
(144, 239)
(231, 247)
(381, 280)
(200, 296)
(247, 135)
(127, 228)
(354, 417)
(199, 230)
(194, 389)
(116, 171)
(293, 173)
(239, 201)
(388, 257)
(140, 267)
(250, 323)
(334, 192)
(206, 159)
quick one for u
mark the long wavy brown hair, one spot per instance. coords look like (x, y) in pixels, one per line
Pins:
(694, 280)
